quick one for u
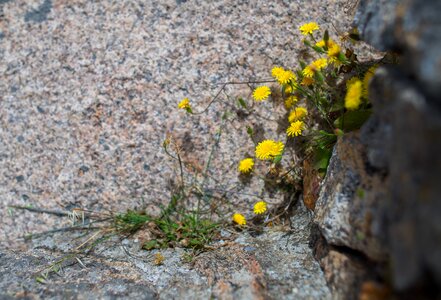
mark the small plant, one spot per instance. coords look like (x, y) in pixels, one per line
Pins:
(324, 97)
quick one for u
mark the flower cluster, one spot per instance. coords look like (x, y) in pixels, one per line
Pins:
(309, 94)
(283, 76)
(259, 208)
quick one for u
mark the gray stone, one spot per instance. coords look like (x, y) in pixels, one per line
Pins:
(280, 266)
(349, 210)
(409, 27)
(97, 83)
(414, 209)
(40, 14)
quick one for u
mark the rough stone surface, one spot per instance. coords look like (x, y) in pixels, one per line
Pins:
(413, 210)
(273, 265)
(89, 91)
(380, 196)
(344, 274)
(350, 208)
(410, 27)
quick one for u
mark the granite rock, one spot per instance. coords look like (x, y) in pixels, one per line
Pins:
(89, 91)
(413, 209)
(411, 28)
(350, 207)
(274, 265)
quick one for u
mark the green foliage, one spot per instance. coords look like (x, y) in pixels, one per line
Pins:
(242, 103)
(352, 120)
(171, 228)
(131, 221)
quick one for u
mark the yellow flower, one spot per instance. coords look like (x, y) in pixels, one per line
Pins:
(283, 76)
(367, 78)
(351, 81)
(246, 165)
(309, 28)
(288, 89)
(308, 71)
(261, 93)
(290, 101)
(320, 63)
(268, 149)
(276, 71)
(295, 129)
(184, 104)
(353, 95)
(259, 207)
(322, 43)
(334, 50)
(286, 76)
(297, 114)
(307, 81)
(316, 65)
(239, 219)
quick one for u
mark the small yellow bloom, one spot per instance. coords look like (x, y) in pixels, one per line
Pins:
(316, 65)
(239, 219)
(353, 95)
(268, 149)
(246, 165)
(334, 50)
(260, 207)
(308, 71)
(297, 114)
(351, 81)
(295, 129)
(320, 63)
(290, 101)
(367, 79)
(307, 81)
(276, 71)
(261, 93)
(286, 76)
(288, 89)
(309, 28)
(184, 104)
(322, 43)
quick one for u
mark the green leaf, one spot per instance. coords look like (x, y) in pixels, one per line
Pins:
(302, 64)
(321, 159)
(307, 43)
(326, 37)
(352, 120)
(342, 57)
(277, 159)
(250, 131)
(152, 244)
(242, 103)
(360, 192)
(318, 49)
(40, 279)
(339, 105)
(319, 76)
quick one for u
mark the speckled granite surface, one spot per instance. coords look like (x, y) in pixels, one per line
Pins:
(88, 91)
